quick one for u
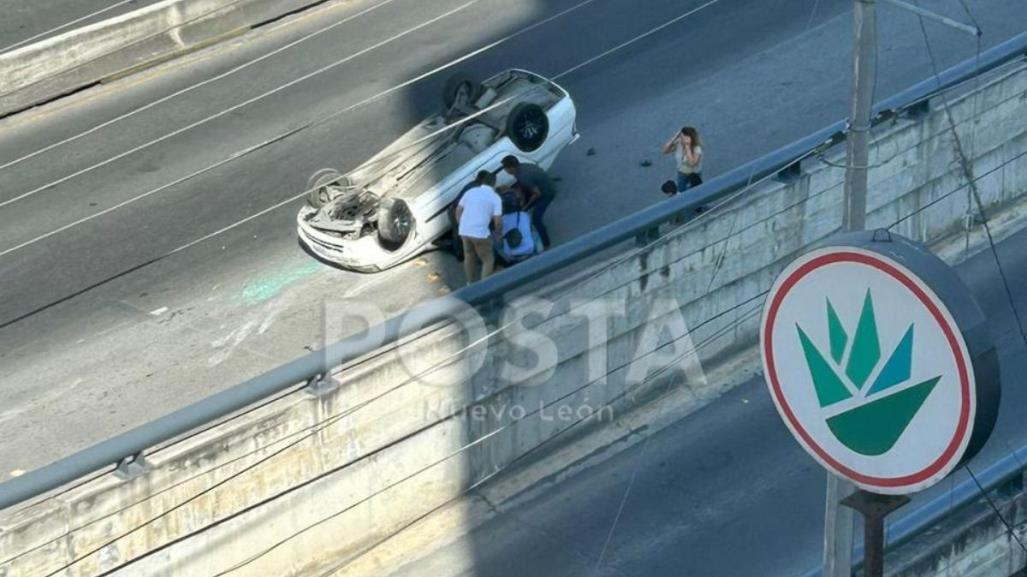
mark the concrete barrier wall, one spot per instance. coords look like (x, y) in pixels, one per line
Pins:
(307, 480)
(973, 542)
(44, 70)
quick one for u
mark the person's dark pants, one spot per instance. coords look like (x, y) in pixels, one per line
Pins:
(686, 181)
(538, 212)
(456, 243)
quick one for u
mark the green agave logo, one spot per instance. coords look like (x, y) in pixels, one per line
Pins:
(885, 408)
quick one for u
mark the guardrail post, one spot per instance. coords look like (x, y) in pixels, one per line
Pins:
(321, 384)
(918, 110)
(132, 466)
(790, 173)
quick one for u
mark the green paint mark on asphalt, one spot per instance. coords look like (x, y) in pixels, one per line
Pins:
(267, 288)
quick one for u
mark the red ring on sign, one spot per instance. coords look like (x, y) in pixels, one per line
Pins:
(768, 350)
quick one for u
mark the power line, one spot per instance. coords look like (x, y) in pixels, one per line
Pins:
(968, 173)
(444, 362)
(959, 188)
(812, 15)
(991, 503)
(464, 492)
(329, 421)
(69, 530)
(645, 446)
(456, 355)
(497, 331)
(465, 349)
(971, 182)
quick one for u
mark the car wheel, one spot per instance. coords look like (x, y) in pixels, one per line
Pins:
(527, 126)
(319, 183)
(460, 89)
(395, 222)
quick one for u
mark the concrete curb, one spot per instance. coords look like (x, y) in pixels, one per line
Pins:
(78, 59)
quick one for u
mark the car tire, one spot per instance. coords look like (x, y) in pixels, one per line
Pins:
(460, 86)
(395, 222)
(527, 125)
(318, 194)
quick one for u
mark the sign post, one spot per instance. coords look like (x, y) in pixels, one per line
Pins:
(874, 509)
(880, 363)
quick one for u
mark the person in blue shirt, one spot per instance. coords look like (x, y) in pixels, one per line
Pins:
(515, 217)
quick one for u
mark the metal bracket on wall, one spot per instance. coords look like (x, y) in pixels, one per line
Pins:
(918, 110)
(971, 218)
(790, 173)
(132, 466)
(321, 384)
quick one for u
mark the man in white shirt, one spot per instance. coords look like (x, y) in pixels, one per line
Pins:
(479, 208)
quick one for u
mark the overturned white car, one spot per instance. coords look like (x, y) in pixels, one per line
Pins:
(394, 205)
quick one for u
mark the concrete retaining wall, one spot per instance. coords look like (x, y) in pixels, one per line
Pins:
(973, 542)
(307, 481)
(53, 67)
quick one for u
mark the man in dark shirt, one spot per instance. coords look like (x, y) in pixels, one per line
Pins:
(540, 190)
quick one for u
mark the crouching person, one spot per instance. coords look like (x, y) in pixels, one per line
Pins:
(478, 210)
(669, 190)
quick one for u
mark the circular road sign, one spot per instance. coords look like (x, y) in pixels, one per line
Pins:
(880, 363)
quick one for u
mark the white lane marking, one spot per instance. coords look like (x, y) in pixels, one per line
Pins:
(56, 29)
(348, 109)
(192, 87)
(258, 146)
(247, 102)
(641, 36)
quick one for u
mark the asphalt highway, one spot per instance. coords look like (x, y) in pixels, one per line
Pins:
(138, 276)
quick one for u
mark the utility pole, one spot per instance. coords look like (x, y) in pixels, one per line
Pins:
(839, 521)
(864, 63)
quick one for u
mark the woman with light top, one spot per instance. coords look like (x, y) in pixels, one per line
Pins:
(687, 150)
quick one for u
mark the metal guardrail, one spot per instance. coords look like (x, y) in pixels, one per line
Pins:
(908, 526)
(136, 441)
